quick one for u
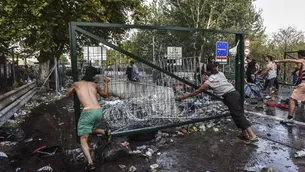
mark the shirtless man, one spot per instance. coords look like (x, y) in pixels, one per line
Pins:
(298, 93)
(92, 113)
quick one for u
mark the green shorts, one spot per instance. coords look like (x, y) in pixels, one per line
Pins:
(88, 121)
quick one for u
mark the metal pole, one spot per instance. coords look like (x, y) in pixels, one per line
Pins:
(241, 69)
(14, 75)
(154, 60)
(72, 37)
(56, 75)
(149, 129)
(285, 69)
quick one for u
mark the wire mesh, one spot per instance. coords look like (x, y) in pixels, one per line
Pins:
(150, 100)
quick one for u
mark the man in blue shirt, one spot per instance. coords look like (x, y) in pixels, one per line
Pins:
(135, 72)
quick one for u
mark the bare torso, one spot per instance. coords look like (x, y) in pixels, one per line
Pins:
(86, 92)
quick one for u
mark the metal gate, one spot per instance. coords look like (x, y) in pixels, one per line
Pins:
(149, 104)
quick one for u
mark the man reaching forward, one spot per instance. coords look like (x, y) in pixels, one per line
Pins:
(221, 87)
(92, 113)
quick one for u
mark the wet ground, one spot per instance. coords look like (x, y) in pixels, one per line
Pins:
(209, 150)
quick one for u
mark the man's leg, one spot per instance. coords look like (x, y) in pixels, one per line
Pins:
(291, 108)
(85, 148)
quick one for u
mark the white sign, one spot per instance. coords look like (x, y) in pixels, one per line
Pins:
(247, 42)
(247, 51)
(174, 52)
(95, 53)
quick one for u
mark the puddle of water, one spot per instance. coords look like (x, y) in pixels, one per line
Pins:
(272, 155)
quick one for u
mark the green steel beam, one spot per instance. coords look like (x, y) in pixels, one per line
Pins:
(156, 128)
(72, 35)
(119, 49)
(175, 28)
(242, 68)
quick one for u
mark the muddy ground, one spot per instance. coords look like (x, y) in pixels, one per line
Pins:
(210, 150)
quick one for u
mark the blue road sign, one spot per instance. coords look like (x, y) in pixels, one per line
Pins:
(222, 49)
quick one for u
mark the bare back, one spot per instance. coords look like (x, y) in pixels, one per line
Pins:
(86, 92)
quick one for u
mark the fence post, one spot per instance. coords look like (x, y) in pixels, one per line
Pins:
(239, 68)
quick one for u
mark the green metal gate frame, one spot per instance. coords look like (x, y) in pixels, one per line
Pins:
(78, 27)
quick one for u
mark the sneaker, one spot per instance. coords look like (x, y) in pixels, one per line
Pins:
(90, 167)
(289, 119)
(267, 97)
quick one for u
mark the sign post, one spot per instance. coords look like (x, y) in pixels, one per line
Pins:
(247, 47)
(222, 52)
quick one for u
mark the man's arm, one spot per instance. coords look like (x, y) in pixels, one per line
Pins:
(103, 93)
(265, 70)
(288, 61)
(203, 87)
(71, 90)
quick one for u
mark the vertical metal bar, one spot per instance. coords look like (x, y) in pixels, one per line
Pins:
(237, 64)
(241, 69)
(285, 69)
(72, 36)
(56, 75)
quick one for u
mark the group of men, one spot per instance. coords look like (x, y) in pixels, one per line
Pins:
(92, 113)
(270, 72)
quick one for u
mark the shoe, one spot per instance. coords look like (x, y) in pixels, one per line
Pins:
(90, 167)
(267, 97)
(289, 119)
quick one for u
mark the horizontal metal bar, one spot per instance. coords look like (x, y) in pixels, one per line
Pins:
(3, 96)
(174, 28)
(119, 49)
(149, 129)
(290, 52)
(9, 111)
(15, 95)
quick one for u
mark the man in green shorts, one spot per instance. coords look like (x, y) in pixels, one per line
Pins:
(91, 115)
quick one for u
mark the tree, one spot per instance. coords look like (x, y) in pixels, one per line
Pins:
(44, 24)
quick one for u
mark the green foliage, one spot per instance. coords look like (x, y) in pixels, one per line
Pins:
(43, 25)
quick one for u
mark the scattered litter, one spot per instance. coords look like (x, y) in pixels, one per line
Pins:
(125, 144)
(180, 133)
(202, 128)
(62, 123)
(171, 140)
(143, 147)
(28, 140)
(148, 153)
(300, 154)
(2, 154)
(221, 141)
(136, 152)
(132, 169)
(159, 153)
(122, 166)
(215, 129)
(154, 167)
(165, 135)
(8, 143)
(268, 169)
(183, 130)
(46, 168)
(46, 152)
(268, 134)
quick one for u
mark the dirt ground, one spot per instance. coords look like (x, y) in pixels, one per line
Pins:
(219, 151)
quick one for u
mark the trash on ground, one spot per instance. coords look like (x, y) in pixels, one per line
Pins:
(2, 154)
(46, 168)
(300, 154)
(154, 166)
(143, 147)
(132, 169)
(122, 166)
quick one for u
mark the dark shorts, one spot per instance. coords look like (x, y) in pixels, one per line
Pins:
(270, 82)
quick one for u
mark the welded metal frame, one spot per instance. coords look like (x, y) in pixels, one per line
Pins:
(286, 56)
(79, 27)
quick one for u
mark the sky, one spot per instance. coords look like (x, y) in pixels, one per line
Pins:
(282, 14)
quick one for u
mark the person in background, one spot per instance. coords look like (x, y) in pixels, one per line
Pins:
(270, 71)
(298, 93)
(221, 87)
(135, 72)
(92, 113)
(129, 72)
(251, 70)
(276, 82)
(294, 77)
